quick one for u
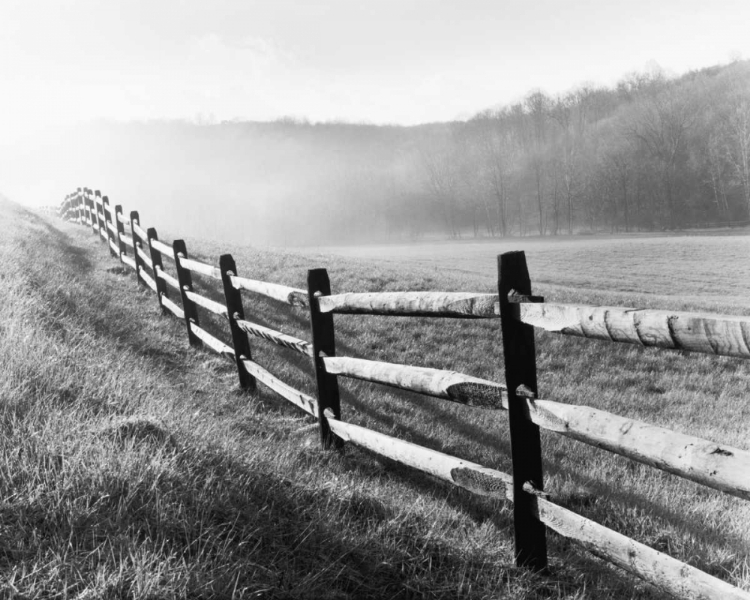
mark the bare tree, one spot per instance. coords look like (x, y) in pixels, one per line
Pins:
(537, 107)
(438, 158)
(737, 127)
(663, 122)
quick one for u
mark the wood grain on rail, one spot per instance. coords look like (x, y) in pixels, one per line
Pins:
(147, 278)
(715, 465)
(126, 239)
(172, 307)
(723, 335)
(172, 281)
(144, 256)
(276, 337)
(128, 261)
(659, 569)
(210, 305)
(282, 293)
(449, 385)
(215, 344)
(201, 268)
(166, 251)
(303, 401)
(465, 305)
(139, 232)
(460, 472)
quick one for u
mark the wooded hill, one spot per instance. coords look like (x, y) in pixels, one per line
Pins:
(651, 153)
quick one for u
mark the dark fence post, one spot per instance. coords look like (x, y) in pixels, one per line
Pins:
(161, 285)
(139, 264)
(120, 230)
(86, 209)
(97, 195)
(235, 312)
(186, 285)
(109, 220)
(520, 370)
(92, 210)
(324, 344)
(79, 207)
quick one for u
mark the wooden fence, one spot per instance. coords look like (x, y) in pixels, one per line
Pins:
(712, 464)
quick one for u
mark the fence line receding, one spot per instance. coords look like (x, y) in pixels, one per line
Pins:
(712, 464)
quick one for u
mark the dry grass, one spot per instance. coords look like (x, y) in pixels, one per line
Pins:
(133, 467)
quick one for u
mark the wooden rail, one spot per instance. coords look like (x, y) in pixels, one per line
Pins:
(147, 278)
(463, 473)
(214, 343)
(211, 305)
(201, 268)
(282, 293)
(172, 281)
(144, 257)
(276, 337)
(303, 401)
(713, 464)
(414, 304)
(139, 232)
(659, 569)
(128, 261)
(450, 385)
(126, 239)
(173, 308)
(166, 251)
(695, 332)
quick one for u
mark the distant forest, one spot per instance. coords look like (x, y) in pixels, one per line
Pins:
(649, 154)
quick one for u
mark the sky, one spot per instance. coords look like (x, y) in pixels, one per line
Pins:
(382, 61)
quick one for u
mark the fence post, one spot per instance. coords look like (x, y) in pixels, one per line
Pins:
(324, 344)
(86, 210)
(185, 280)
(79, 215)
(120, 230)
(139, 264)
(108, 219)
(520, 370)
(161, 285)
(92, 210)
(235, 312)
(97, 196)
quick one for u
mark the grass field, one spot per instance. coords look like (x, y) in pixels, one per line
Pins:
(133, 467)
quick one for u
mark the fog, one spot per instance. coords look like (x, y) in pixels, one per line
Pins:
(651, 153)
(282, 183)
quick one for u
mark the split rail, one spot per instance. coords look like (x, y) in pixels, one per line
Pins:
(709, 463)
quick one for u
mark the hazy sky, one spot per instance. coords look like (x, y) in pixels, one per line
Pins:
(400, 61)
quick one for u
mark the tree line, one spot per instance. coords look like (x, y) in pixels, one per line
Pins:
(651, 153)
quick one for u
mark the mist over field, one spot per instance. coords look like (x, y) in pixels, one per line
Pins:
(651, 153)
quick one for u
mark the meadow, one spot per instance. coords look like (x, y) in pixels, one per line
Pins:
(132, 466)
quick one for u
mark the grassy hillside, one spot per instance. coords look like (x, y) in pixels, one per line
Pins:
(133, 467)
